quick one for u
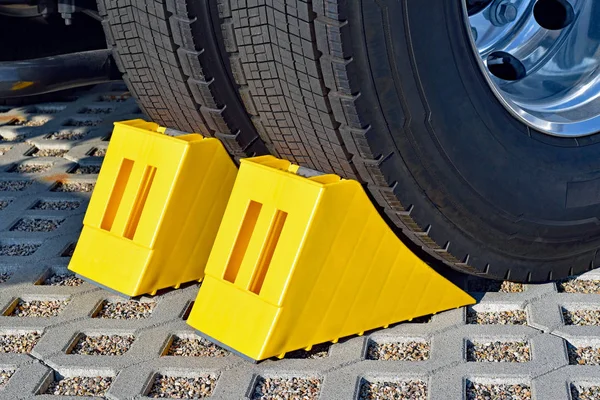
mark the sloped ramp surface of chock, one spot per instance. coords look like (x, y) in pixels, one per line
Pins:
(299, 261)
(155, 210)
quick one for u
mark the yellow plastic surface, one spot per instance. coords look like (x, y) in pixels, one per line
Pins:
(300, 261)
(155, 210)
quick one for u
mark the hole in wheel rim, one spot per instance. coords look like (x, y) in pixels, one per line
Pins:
(505, 66)
(553, 14)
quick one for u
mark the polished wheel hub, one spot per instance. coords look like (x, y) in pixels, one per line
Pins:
(542, 60)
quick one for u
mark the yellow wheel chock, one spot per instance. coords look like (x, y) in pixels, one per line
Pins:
(155, 210)
(299, 261)
(296, 260)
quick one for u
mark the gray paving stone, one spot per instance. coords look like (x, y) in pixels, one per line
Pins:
(80, 127)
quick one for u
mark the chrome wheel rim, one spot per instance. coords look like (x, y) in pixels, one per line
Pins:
(542, 60)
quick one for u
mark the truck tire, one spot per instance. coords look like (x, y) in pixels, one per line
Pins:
(384, 91)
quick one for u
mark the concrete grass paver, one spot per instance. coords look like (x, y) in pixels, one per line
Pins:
(61, 335)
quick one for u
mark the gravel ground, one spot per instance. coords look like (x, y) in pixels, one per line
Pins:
(581, 317)
(317, 351)
(512, 317)
(37, 225)
(14, 186)
(98, 153)
(125, 310)
(4, 150)
(103, 345)
(4, 276)
(486, 285)
(494, 391)
(498, 352)
(83, 122)
(67, 134)
(19, 343)
(56, 205)
(414, 390)
(198, 347)
(21, 250)
(49, 152)
(573, 285)
(74, 187)
(583, 355)
(182, 388)
(4, 377)
(401, 351)
(286, 388)
(80, 386)
(38, 308)
(29, 168)
(4, 204)
(579, 392)
(63, 279)
(87, 169)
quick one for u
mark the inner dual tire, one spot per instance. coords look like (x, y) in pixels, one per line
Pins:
(383, 91)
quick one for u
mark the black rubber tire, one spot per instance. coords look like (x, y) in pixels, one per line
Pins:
(387, 92)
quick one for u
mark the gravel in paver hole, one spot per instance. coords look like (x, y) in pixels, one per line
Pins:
(14, 186)
(487, 285)
(4, 276)
(286, 388)
(573, 285)
(73, 187)
(509, 317)
(63, 279)
(49, 152)
(80, 386)
(56, 205)
(498, 352)
(31, 168)
(583, 355)
(37, 225)
(4, 150)
(96, 110)
(47, 109)
(18, 250)
(581, 317)
(19, 343)
(103, 345)
(399, 351)
(414, 390)
(581, 392)
(98, 153)
(197, 347)
(317, 351)
(175, 387)
(496, 391)
(83, 122)
(125, 310)
(4, 204)
(87, 169)
(115, 98)
(38, 308)
(66, 135)
(4, 377)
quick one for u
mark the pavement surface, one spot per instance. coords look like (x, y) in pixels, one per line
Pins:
(62, 336)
